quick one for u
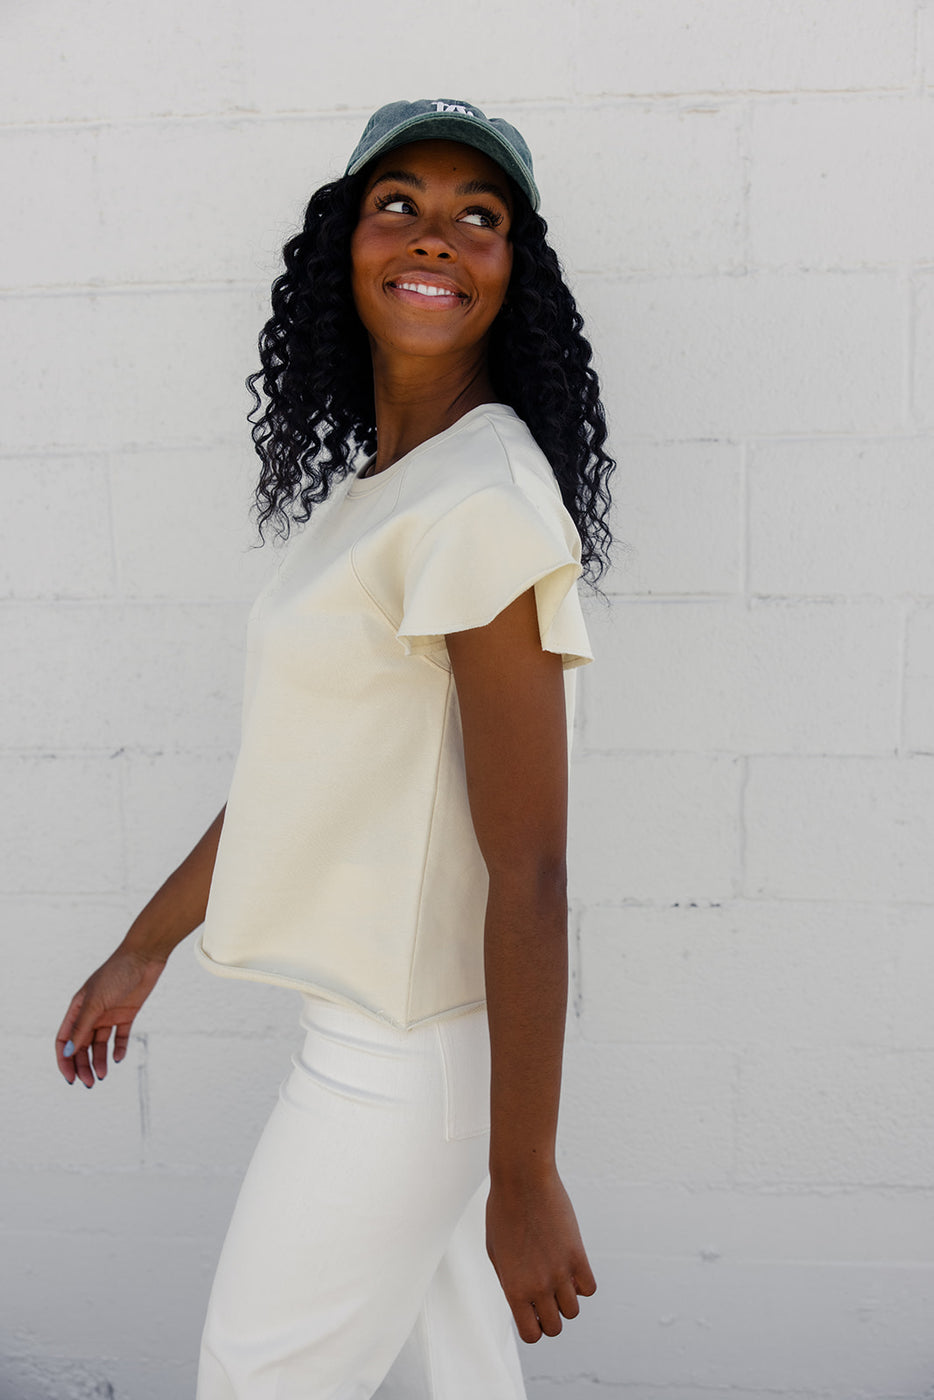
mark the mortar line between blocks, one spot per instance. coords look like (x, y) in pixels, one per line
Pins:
(558, 104)
(233, 441)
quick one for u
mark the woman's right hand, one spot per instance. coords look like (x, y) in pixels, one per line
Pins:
(109, 999)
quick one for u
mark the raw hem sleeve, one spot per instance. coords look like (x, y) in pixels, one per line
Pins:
(480, 557)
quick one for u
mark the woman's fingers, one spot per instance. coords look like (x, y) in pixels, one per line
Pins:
(548, 1315)
(66, 1033)
(108, 1001)
(535, 1247)
(64, 1041)
(583, 1278)
(66, 1063)
(121, 1040)
(89, 1062)
(542, 1316)
(566, 1298)
(99, 1050)
(74, 1011)
(527, 1322)
(83, 1067)
(77, 1026)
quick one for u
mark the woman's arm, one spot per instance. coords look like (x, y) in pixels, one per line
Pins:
(114, 993)
(179, 905)
(511, 698)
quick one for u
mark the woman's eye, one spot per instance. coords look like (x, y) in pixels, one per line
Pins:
(484, 218)
(393, 204)
(401, 204)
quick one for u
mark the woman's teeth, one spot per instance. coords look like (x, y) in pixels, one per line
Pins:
(425, 290)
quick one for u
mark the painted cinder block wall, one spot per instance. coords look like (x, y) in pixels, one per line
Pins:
(741, 193)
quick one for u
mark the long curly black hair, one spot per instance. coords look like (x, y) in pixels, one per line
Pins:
(317, 374)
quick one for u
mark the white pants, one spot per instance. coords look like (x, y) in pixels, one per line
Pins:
(355, 1263)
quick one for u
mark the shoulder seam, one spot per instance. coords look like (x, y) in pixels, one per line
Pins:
(504, 450)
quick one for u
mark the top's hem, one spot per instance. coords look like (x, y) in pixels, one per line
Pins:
(298, 984)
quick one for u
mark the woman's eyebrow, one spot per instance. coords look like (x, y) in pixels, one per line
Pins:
(405, 175)
(483, 187)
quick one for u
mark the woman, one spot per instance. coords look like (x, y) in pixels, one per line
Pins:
(393, 844)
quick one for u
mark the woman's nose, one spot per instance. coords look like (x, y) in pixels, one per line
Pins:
(430, 242)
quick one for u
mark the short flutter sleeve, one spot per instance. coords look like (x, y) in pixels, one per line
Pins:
(479, 557)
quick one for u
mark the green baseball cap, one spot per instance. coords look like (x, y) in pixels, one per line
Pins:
(400, 122)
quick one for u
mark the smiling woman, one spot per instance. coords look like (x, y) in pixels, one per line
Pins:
(431, 269)
(393, 844)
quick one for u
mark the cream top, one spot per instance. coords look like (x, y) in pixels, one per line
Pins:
(348, 864)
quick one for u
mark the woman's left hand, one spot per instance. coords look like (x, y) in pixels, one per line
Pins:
(534, 1243)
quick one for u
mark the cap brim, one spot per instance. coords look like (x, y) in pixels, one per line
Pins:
(468, 130)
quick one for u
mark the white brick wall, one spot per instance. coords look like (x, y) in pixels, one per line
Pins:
(742, 194)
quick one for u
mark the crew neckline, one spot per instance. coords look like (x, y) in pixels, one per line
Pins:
(361, 485)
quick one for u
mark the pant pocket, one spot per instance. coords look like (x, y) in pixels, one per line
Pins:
(465, 1057)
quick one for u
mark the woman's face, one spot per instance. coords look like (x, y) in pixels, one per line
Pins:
(431, 253)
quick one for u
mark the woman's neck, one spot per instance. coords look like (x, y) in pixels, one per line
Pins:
(407, 414)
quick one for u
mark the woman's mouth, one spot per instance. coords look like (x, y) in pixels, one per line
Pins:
(437, 295)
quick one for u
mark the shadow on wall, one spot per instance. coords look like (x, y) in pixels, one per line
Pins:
(53, 1380)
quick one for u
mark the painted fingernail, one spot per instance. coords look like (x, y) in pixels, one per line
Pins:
(69, 1048)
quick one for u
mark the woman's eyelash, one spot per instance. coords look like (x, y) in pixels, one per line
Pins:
(491, 214)
(383, 200)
